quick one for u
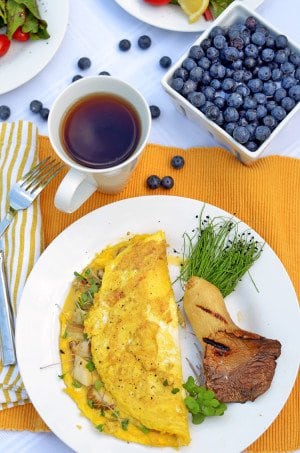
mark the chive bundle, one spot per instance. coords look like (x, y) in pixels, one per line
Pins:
(219, 253)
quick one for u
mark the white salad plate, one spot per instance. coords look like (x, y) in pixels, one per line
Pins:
(169, 17)
(24, 60)
(269, 307)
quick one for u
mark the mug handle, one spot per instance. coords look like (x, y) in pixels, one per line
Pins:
(74, 190)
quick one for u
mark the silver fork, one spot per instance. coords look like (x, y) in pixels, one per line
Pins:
(21, 196)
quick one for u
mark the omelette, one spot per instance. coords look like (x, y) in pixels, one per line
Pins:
(119, 345)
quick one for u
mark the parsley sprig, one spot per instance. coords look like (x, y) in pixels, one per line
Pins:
(201, 402)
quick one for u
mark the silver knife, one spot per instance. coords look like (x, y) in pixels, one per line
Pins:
(7, 330)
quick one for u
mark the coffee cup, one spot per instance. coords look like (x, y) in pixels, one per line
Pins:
(99, 127)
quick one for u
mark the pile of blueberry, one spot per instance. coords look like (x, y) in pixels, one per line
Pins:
(243, 78)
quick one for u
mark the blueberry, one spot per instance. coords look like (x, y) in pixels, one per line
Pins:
(220, 119)
(287, 68)
(230, 128)
(237, 42)
(124, 45)
(262, 133)
(177, 162)
(204, 63)
(251, 115)
(271, 105)
(267, 55)
(294, 92)
(206, 106)
(238, 75)
(247, 76)
(234, 100)
(297, 74)
(278, 112)
(167, 182)
(255, 85)
(295, 59)
(277, 74)
(281, 41)
(189, 64)
(243, 90)
(76, 77)
(251, 50)
(44, 112)
(249, 62)
(196, 74)
(165, 62)
(220, 42)
(288, 103)
(251, 23)
(269, 88)
(243, 122)
(155, 111)
(188, 87)
(144, 42)
(206, 43)
(84, 63)
(264, 73)
(238, 64)
(270, 42)
(231, 54)
(219, 102)
(216, 31)
(261, 111)
(209, 92)
(251, 145)
(270, 121)
(212, 112)
(182, 73)
(206, 78)
(260, 98)
(288, 81)
(279, 94)
(228, 84)
(251, 128)
(36, 106)
(216, 84)
(197, 99)
(233, 31)
(258, 38)
(153, 182)
(217, 70)
(241, 134)
(249, 103)
(212, 54)
(281, 56)
(231, 115)
(4, 112)
(196, 52)
(177, 83)
(262, 30)
(104, 73)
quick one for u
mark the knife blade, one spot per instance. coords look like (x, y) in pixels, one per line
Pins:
(7, 331)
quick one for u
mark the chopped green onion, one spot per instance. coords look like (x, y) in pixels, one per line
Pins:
(90, 366)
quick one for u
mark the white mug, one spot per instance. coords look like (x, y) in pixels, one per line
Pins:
(81, 181)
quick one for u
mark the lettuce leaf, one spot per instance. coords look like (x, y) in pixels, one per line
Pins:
(25, 14)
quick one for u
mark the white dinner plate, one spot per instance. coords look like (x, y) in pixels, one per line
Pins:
(24, 60)
(272, 312)
(169, 17)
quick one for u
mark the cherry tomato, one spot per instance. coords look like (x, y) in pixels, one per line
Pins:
(19, 35)
(158, 2)
(4, 45)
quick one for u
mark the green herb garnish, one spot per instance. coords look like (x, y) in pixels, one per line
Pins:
(144, 429)
(76, 384)
(65, 334)
(98, 384)
(90, 366)
(91, 403)
(219, 253)
(175, 390)
(124, 424)
(201, 402)
(218, 6)
(61, 376)
(165, 383)
(100, 427)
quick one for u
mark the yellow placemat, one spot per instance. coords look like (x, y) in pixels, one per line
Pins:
(265, 196)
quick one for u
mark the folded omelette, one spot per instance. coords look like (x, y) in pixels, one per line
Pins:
(119, 345)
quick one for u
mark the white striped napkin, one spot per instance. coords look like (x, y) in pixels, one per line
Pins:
(23, 239)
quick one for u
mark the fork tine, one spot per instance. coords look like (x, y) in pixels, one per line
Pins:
(45, 181)
(40, 175)
(33, 171)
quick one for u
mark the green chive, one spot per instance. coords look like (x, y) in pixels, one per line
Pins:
(100, 427)
(175, 390)
(144, 429)
(90, 403)
(165, 383)
(90, 366)
(98, 384)
(124, 424)
(76, 384)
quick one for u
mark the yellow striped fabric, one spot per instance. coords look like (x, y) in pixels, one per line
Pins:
(23, 240)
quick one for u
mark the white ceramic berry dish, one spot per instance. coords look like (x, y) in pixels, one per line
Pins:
(236, 12)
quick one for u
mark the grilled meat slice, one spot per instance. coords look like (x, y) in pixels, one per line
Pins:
(239, 366)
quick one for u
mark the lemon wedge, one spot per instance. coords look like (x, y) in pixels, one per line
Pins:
(194, 8)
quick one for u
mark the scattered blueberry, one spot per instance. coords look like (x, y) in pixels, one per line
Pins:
(294, 92)
(241, 134)
(196, 52)
(144, 42)
(44, 112)
(262, 133)
(124, 45)
(104, 73)
(4, 112)
(84, 63)
(278, 112)
(288, 103)
(177, 162)
(165, 62)
(36, 106)
(153, 182)
(167, 182)
(281, 42)
(155, 111)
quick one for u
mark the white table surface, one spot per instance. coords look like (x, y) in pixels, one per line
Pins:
(94, 30)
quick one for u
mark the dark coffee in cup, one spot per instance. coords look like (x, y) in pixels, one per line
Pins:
(100, 130)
